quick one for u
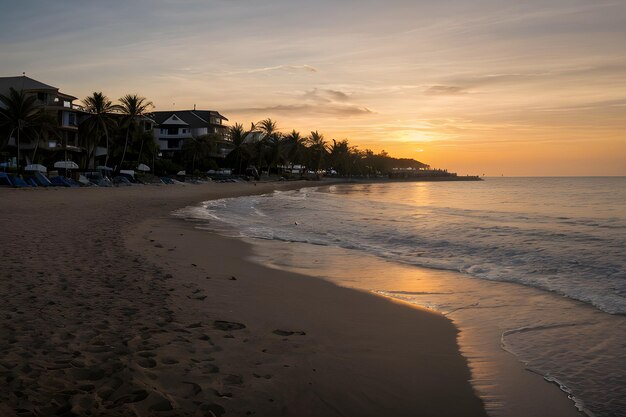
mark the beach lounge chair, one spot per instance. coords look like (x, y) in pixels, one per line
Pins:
(60, 181)
(121, 180)
(31, 181)
(42, 180)
(72, 183)
(5, 179)
(19, 182)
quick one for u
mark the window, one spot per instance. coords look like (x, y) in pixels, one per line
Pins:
(41, 97)
(173, 143)
(172, 131)
(67, 104)
(72, 119)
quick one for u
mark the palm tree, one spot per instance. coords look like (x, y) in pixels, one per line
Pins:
(296, 147)
(318, 148)
(199, 148)
(133, 107)
(237, 136)
(270, 130)
(277, 148)
(47, 125)
(341, 155)
(100, 120)
(20, 113)
(267, 126)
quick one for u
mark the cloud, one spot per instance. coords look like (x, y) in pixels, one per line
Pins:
(288, 68)
(591, 105)
(338, 95)
(444, 90)
(582, 72)
(323, 109)
(316, 101)
(326, 95)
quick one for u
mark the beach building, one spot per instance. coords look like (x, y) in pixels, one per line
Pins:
(174, 128)
(68, 116)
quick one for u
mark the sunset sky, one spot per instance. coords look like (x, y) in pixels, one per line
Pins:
(485, 86)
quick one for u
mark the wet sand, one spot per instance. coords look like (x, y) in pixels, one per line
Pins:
(111, 307)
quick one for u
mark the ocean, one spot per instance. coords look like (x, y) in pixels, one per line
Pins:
(531, 270)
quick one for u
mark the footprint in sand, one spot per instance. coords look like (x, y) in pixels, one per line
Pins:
(228, 325)
(289, 332)
(146, 362)
(233, 379)
(196, 389)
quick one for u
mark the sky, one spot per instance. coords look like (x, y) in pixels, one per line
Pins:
(494, 87)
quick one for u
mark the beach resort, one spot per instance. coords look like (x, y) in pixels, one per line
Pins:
(96, 142)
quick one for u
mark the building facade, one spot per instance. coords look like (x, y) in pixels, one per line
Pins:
(174, 128)
(68, 116)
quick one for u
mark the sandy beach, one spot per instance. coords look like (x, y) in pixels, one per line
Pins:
(112, 307)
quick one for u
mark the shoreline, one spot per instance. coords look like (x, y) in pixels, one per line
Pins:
(351, 341)
(520, 382)
(521, 391)
(86, 327)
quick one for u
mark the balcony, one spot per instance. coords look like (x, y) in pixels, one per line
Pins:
(171, 144)
(167, 134)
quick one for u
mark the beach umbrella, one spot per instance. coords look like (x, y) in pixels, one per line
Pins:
(182, 173)
(66, 165)
(103, 168)
(36, 167)
(143, 167)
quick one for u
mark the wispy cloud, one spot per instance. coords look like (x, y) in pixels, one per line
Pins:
(445, 90)
(326, 95)
(308, 109)
(286, 68)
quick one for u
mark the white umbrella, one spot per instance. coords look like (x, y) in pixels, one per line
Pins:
(103, 168)
(36, 167)
(143, 167)
(66, 165)
(181, 173)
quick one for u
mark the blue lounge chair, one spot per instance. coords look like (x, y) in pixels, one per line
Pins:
(63, 182)
(59, 182)
(5, 179)
(19, 182)
(72, 183)
(42, 180)
(32, 181)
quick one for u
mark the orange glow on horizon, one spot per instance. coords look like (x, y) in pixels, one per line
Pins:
(509, 88)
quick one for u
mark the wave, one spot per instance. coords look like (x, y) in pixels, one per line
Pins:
(576, 256)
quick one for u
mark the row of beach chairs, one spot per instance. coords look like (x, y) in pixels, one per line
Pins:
(37, 179)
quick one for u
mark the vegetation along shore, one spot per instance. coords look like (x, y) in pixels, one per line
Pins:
(45, 133)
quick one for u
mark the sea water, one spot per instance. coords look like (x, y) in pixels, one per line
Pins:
(533, 267)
